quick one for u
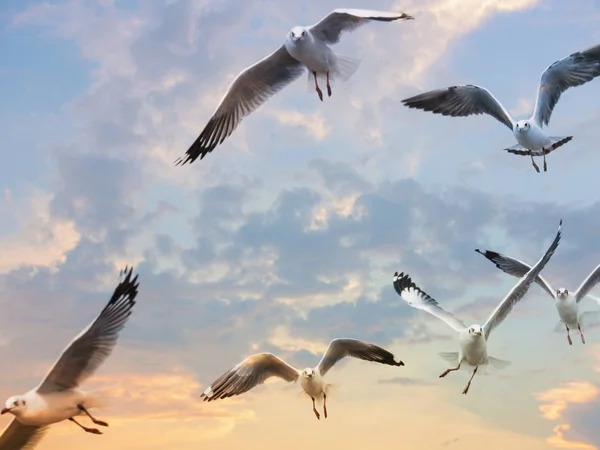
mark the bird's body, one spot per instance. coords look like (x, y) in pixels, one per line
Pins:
(256, 369)
(473, 347)
(304, 48)
(472, 340)
(58, 397)
(565, 301)
(53, 407)
(313, 385)
(568, 310)
(459, 101)
(313, 53)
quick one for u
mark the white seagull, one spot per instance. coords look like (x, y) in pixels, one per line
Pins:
(305, 47)
(567, 303)
(473, 339)
(459, 101)
(256, 369)
(58, 396)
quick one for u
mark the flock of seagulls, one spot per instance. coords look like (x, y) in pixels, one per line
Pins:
(307, 49)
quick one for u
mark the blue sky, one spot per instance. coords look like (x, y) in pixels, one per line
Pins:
(288, 234)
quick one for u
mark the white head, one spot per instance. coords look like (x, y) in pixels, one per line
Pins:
(298, 34)
(562, 293)
(475, 330)
(308, 373)
(14, 405)
(523, 125)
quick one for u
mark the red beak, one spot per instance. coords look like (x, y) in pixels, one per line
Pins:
(5, 410)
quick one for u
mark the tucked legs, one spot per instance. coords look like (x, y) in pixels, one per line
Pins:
(315, 409)
(93, 419)
(86, 429)
(569, 335)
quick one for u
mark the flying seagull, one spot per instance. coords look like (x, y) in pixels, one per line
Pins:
(305, 47)
(567, 303)
(58, 396)
(472, 339)
(459, 101)
(256, 369)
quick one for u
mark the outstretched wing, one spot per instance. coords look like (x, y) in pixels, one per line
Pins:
(416, 298)
(252, 371)
(461, 101)
(93, 345)
(340, 348)
(17, 436)
(515, 268)
(573, 70)
(521, 288)
(252, 87)
(588, 284)
(331, 27)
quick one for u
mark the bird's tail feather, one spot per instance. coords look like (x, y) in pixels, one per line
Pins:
(498, 364)
(560, 326)
(589, 319)
(451, 357)
(101, 398)
(341, 70)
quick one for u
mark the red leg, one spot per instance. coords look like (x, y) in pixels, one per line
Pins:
(545, 165)
(581, 333)
(96, 421)
(328, 85)
(535, 166)
(469, 383)
(86, 429)
(315, 409)
(450, 370)
(325, 405)
(319, 91)
(569, 335)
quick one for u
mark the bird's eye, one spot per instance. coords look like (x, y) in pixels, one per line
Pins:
(16, 403)
(304, 33)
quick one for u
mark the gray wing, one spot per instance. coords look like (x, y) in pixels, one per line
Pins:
(515, 268)
(17, 436)
(252, 371)
(588, 284)
(252, 87)
(416, 298)
(92, 346)
(340, 348)
(573, 70)
(521, 288)
(461, 101)
(331, 27)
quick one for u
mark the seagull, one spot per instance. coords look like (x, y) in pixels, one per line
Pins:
(256, 369)
(305, 47)
(58, 396)
(460, 101)
(472, 339)
(566, 302)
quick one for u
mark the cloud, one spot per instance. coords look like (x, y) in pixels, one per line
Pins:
(404, 381)
(41, 239)
(556, 400)
(560, 441)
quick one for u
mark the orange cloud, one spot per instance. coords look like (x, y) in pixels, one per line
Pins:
(559, 440)
(556, 400)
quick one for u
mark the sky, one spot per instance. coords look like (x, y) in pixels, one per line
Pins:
(288, 234)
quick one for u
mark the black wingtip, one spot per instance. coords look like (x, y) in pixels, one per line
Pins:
(400, 363)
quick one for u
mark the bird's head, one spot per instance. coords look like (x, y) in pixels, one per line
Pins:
(522, 125)
(308, 373)
(298, 34)
(14, 405)
(562, 293)
(475, 330)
